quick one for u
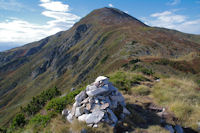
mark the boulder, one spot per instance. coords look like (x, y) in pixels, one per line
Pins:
(102, 79)
(93, 91)
(79, 111)
(70, 118)
(94, 117)
(82, 95)
(83, 117)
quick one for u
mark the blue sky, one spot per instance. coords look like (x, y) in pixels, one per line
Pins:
(24, 21)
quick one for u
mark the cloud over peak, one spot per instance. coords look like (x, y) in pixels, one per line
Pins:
(172, 20)
(14, 30)
(55, 6)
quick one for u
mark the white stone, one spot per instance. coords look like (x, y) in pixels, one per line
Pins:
(95, 125)
(70, 118)
(79, 111)
(97, 91)
(74, 108)
(101, 78)
(83, 117)
(94, 117)
(82, 95)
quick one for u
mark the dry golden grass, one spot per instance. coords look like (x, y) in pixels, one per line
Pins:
(151, 129)
(77, 126)
(140, 90)
(180, 96)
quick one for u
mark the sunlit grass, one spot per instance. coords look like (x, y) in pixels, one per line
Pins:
(180, 96)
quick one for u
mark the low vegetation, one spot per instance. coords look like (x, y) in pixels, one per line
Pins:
(39, 101)
(126, 80)
(181, 97)
(140, 90)
(18, 121)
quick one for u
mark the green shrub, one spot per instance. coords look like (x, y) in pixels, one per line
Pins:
(146, 71)
(40, 120)
(134, 61)
(125, 80)
(140, 90)
(163, 61)
(136, 66)
(70, 96)
(18, 120)
(104, 59)
(198, 82)
(57, 104)
(3, 130)
(39, 101)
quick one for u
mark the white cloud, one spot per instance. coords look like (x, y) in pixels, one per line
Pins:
(173, 2)
(172, 20)
(18, 31)
(110, 5)
(55, 6)
(45, 1)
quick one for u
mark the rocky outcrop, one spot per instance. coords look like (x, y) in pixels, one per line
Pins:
(100, 102)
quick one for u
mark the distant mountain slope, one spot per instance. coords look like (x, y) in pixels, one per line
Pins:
(99, 43)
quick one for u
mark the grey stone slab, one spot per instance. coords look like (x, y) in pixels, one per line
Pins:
(70, 117)
(79, 111)
(81, 96)
(112, 116)
(94, 117)
(98, 91)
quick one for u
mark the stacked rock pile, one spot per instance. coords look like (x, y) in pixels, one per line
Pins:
(100, 102)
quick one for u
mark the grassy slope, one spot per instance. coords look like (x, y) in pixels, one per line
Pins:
(103, 48)
(179, 95)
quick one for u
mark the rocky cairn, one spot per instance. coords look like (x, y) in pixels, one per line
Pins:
(100, 102)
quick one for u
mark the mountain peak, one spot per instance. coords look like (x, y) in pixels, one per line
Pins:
(111, 16)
